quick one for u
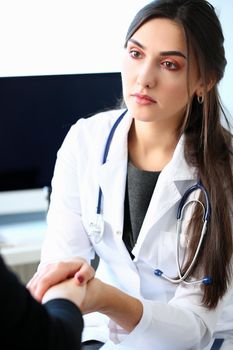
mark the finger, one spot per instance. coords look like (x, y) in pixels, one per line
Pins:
(32, 284)
(31, 281)
(84, 274)
(56, 274)
(46, 278)
(41, 287)
(52, 274)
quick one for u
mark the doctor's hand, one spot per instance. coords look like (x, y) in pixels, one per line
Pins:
(95, 294)
(55, 273)
(122, 308)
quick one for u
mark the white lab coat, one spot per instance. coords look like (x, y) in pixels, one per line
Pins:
(173, 317)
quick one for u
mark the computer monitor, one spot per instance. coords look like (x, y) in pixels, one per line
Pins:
(36, 113)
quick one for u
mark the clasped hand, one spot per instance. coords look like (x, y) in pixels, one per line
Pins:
(70, 279)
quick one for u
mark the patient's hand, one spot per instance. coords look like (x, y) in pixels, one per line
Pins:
(66, 290)
(55, 273)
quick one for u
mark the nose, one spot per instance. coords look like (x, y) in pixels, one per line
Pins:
(147, 77)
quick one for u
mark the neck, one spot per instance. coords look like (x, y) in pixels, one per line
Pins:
(151, 146)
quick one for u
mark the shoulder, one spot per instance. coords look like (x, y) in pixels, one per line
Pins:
(90, 133)
(94, 127)
(98, 121)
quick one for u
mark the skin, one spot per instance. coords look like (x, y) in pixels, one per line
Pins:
(149, 68)
(123, 309)
(155, 65)
(78, 269)
(67, 289)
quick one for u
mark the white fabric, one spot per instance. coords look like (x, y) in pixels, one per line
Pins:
(173, 317)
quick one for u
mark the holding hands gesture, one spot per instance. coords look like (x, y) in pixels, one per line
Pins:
(74, 280)
(66, 280)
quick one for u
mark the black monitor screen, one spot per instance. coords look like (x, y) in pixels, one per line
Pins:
(36, 114)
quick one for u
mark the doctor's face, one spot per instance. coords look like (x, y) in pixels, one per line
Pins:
(154, 72)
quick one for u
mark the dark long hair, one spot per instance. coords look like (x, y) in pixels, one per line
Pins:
(208, 145)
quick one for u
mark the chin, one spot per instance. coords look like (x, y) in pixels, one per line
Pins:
(142, 114)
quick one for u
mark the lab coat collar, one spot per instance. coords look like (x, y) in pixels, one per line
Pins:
(177, 168)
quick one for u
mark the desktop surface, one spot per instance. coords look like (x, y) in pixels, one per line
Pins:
(21, 237)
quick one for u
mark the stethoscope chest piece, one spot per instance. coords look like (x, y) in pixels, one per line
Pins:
(96, 228)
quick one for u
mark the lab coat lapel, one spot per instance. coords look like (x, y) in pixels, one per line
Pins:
(112, 181)
(112, 176)
(167, 193)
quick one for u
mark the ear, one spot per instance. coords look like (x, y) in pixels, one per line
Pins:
(201, 87)
(212, 82)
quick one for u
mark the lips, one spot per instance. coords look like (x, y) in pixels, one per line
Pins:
(143, 99)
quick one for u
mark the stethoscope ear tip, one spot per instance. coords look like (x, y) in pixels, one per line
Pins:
(207, 280)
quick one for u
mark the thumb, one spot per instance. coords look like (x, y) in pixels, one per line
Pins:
(79, 278)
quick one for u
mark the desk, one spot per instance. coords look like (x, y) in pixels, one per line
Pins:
(22, 225)
(20, 242)
(21, 238)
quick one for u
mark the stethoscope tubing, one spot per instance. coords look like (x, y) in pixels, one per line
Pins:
(180, 214)
(97, 226)
(185, 196)
(105, 156)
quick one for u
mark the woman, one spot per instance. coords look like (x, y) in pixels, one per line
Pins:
(25, 324)
(136, 170)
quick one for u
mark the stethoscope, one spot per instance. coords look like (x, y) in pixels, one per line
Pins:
(184, 202)
(96, 228)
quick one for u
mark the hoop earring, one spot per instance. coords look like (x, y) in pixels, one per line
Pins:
(200, 99)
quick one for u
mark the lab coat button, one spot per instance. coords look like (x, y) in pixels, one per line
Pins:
(118, 233)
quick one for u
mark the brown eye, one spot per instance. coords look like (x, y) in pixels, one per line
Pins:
(135, 54)
(169, 65)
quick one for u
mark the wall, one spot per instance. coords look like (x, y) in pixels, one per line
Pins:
(224, 9)
(73, 36)
(63, 36)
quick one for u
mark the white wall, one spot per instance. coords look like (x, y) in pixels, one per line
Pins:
(63, 36)
(224, 9)
(73, 36)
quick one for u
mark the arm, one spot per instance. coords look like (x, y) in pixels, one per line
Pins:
(125, 310)
(162, 324)
(66, 236)
(26, 323)
(117, 305)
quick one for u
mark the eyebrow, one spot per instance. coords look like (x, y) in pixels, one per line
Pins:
(162, 53)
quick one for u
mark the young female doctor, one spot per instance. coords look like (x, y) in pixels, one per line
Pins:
(150, 188)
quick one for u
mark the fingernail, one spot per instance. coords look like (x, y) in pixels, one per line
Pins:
(80, 278)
